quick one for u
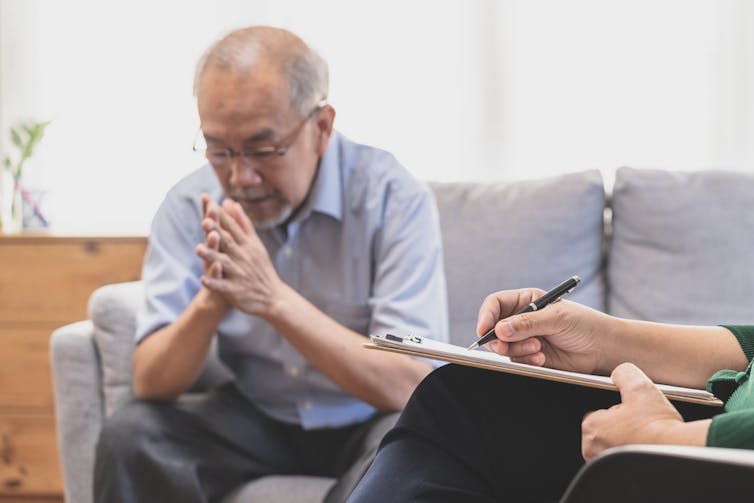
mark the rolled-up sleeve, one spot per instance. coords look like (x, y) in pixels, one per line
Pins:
(735, 427)
(171, 270)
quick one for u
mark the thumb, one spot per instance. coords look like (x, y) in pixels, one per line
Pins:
(236, 211)
(631, 381)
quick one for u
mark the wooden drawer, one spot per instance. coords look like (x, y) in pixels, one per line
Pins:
(50, 279)
(25, 379)
(31, 499)
(45, 282)
(28, 455)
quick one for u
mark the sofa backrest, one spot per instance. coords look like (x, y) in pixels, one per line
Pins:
(499, 236)
(681, 250)
(682, 247)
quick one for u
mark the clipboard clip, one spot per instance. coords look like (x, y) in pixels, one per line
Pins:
(410, 338)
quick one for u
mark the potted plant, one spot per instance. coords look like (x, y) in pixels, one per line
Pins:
(25, 136)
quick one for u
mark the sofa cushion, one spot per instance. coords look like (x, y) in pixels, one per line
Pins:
(531, 233)
(682, 248)
(287, 488)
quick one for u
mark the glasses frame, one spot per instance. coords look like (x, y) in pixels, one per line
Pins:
(257, 155)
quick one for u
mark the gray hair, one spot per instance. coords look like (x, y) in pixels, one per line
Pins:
(239, 50)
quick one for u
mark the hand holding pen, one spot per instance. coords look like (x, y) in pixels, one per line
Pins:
(549, 297)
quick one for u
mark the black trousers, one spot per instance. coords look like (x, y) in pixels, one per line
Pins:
(476, 435)
(200, 447)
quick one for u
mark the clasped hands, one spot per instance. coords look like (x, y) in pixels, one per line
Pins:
(237, 267)
(578, 340)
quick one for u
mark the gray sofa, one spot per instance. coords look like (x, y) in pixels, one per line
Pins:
(664, 246)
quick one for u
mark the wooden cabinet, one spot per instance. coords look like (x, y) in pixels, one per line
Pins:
(45, 282)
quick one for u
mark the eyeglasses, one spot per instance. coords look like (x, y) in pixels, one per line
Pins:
(222, 157)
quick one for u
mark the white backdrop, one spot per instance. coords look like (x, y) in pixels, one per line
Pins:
(457, 89)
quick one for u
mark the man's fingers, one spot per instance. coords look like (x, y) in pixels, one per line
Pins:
(206, 200)
(212, 257)
(215, 270)
(210, 208)
(229, 224)
(219, 285)
(227, 241)
(236, 211)
(213, 240)
(234, 219)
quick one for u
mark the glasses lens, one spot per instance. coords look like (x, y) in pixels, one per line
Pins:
(218, 157)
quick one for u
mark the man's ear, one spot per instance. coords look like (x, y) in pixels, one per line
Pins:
(324, 120)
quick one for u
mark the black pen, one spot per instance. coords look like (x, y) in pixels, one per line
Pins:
(548, 298)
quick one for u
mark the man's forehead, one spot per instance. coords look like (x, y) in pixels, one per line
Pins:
(231, 99)
(259, 79)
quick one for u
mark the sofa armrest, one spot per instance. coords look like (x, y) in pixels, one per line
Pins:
(77, 384)
(113, 309)
(664, 473)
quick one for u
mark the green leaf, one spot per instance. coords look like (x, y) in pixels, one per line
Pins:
(16, 138)
(36, 135)
(25, 136)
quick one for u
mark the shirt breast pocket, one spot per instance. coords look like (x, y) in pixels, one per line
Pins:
(357, 317)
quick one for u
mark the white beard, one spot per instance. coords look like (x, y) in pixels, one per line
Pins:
(282, 217)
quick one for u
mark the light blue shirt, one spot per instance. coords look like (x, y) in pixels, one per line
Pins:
(365, 249)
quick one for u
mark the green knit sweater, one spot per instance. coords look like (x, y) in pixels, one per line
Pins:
(735, 427)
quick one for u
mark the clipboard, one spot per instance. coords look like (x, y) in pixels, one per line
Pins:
(482, 358)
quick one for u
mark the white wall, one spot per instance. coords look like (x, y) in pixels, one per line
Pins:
(457, 89)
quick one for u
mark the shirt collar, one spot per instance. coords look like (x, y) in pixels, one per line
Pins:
(326, 194)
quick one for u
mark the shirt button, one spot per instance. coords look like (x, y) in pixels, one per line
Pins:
(287, 251)
(308, 405)
(294, 371)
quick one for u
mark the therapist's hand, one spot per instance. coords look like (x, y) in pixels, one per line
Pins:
(564, 335)
(644, 416)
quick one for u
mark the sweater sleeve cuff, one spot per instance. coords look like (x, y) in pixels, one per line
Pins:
(732, 429)
(745, 336)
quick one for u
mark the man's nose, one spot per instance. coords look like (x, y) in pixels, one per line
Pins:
(243, 174)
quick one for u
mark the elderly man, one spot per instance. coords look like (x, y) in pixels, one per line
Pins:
(291, 246)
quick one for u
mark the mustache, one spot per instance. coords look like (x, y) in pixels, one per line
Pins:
(241, 196)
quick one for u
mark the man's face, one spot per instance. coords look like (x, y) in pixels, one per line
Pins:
(250, 114)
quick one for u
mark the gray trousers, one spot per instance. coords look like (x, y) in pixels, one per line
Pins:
(202, 446)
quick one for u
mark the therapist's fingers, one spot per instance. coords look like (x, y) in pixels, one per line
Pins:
(501, 305)
(632, 383)
(523, 348)
(557, 319)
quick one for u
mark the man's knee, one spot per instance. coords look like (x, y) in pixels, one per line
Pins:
(125, 433)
